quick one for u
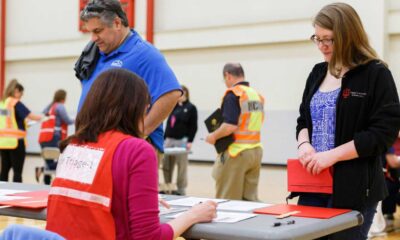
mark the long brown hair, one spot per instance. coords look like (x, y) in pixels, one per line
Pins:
(10, 89)
(117, 101)
(59, 96)
(351, 45)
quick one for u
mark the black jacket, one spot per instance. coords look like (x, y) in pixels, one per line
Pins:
(367, 112)
(87, 61)
(185, 123)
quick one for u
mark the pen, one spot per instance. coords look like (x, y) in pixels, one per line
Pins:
(277, 224)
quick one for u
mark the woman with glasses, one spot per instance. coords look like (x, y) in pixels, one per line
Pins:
(349, 116)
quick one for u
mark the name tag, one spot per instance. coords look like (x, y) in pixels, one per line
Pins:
(79, 164)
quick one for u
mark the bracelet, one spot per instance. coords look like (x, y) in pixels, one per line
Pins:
(302, 144)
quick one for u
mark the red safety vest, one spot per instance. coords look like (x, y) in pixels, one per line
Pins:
(79, 205)
(49, 126)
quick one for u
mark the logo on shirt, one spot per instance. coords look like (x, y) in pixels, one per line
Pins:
(347, 93)
(117, 63)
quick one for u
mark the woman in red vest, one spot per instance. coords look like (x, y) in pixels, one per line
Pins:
(106, 182)
(54, 129)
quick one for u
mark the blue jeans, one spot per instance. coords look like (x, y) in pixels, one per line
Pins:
(355, 233)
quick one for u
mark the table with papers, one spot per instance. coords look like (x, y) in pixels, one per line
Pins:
(235, 220)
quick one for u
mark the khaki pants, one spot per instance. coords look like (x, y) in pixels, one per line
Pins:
(168, 165)
(237, 178)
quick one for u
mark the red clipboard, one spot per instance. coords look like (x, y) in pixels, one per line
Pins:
(34, 200)
(302, 211)
(299, 180)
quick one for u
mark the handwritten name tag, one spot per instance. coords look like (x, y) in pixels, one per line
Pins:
(79, 163)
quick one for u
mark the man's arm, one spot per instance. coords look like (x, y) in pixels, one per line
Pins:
(160, 111)
(224, 130)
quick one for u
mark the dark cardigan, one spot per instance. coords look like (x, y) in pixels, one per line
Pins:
(367, 112)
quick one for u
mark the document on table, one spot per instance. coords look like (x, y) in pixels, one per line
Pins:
(226, 217)
(191, 201)
(241, 206)
(10, 191)
(11, 198)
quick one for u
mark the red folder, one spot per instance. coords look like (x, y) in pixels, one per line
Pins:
(303, 211)
(34, 200)
(299, 180)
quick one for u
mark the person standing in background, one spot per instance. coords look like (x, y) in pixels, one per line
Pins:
(13, 131)
(180, 132)
(237, 170)
(114, 45)
(54, 130)
(349, 117)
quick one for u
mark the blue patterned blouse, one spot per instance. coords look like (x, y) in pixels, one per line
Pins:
(323, 115)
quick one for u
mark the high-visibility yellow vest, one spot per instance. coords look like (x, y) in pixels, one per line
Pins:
(9, 131)
(247, 136)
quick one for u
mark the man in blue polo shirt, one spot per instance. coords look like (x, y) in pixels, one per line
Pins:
(120, 47)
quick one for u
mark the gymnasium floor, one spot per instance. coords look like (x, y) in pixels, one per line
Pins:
(272, 189)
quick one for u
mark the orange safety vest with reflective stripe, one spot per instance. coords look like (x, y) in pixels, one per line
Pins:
(79, 205)
(49, 126)
(9, 131)
(247, 136)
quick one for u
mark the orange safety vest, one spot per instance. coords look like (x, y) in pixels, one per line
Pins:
(9, 131)
(251, 117)
(49, 126)
(79, 205)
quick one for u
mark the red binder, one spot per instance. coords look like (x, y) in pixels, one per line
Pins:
(34, 200)
(299, 180)
(302, 211)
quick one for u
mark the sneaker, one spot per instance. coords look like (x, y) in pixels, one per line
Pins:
(372, 235)
(389, 219)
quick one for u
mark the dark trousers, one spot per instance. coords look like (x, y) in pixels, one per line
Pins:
(13, 158)
(355, 233)
(390, 202)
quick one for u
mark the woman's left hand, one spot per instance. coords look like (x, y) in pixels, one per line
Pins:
(319, 162)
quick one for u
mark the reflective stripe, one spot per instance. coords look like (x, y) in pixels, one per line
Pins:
(80, 195)
(251, 106)
(12, 133)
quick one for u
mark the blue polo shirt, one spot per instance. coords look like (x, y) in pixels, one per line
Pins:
(146, 61)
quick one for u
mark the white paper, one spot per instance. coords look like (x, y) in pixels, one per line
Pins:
(11, 198)
(226, 217)
(79, 163)
(175, 150)
(191, 201)
(10, 191)
(241, 206)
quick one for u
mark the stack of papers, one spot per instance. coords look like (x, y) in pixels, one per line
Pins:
(241, 206)
(226, 217)
(191, 201)
(24, 199)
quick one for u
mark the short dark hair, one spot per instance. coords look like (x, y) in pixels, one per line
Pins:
(117, 100)
(59, 95)
(105, 10)
(234, 69)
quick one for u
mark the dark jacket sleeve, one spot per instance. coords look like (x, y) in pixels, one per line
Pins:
(384, 117)
(193, 124)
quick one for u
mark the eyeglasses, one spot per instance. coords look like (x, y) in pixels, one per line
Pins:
(326, 42)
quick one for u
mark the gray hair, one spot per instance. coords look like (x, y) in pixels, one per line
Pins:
(234, 69)
(105, 10)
